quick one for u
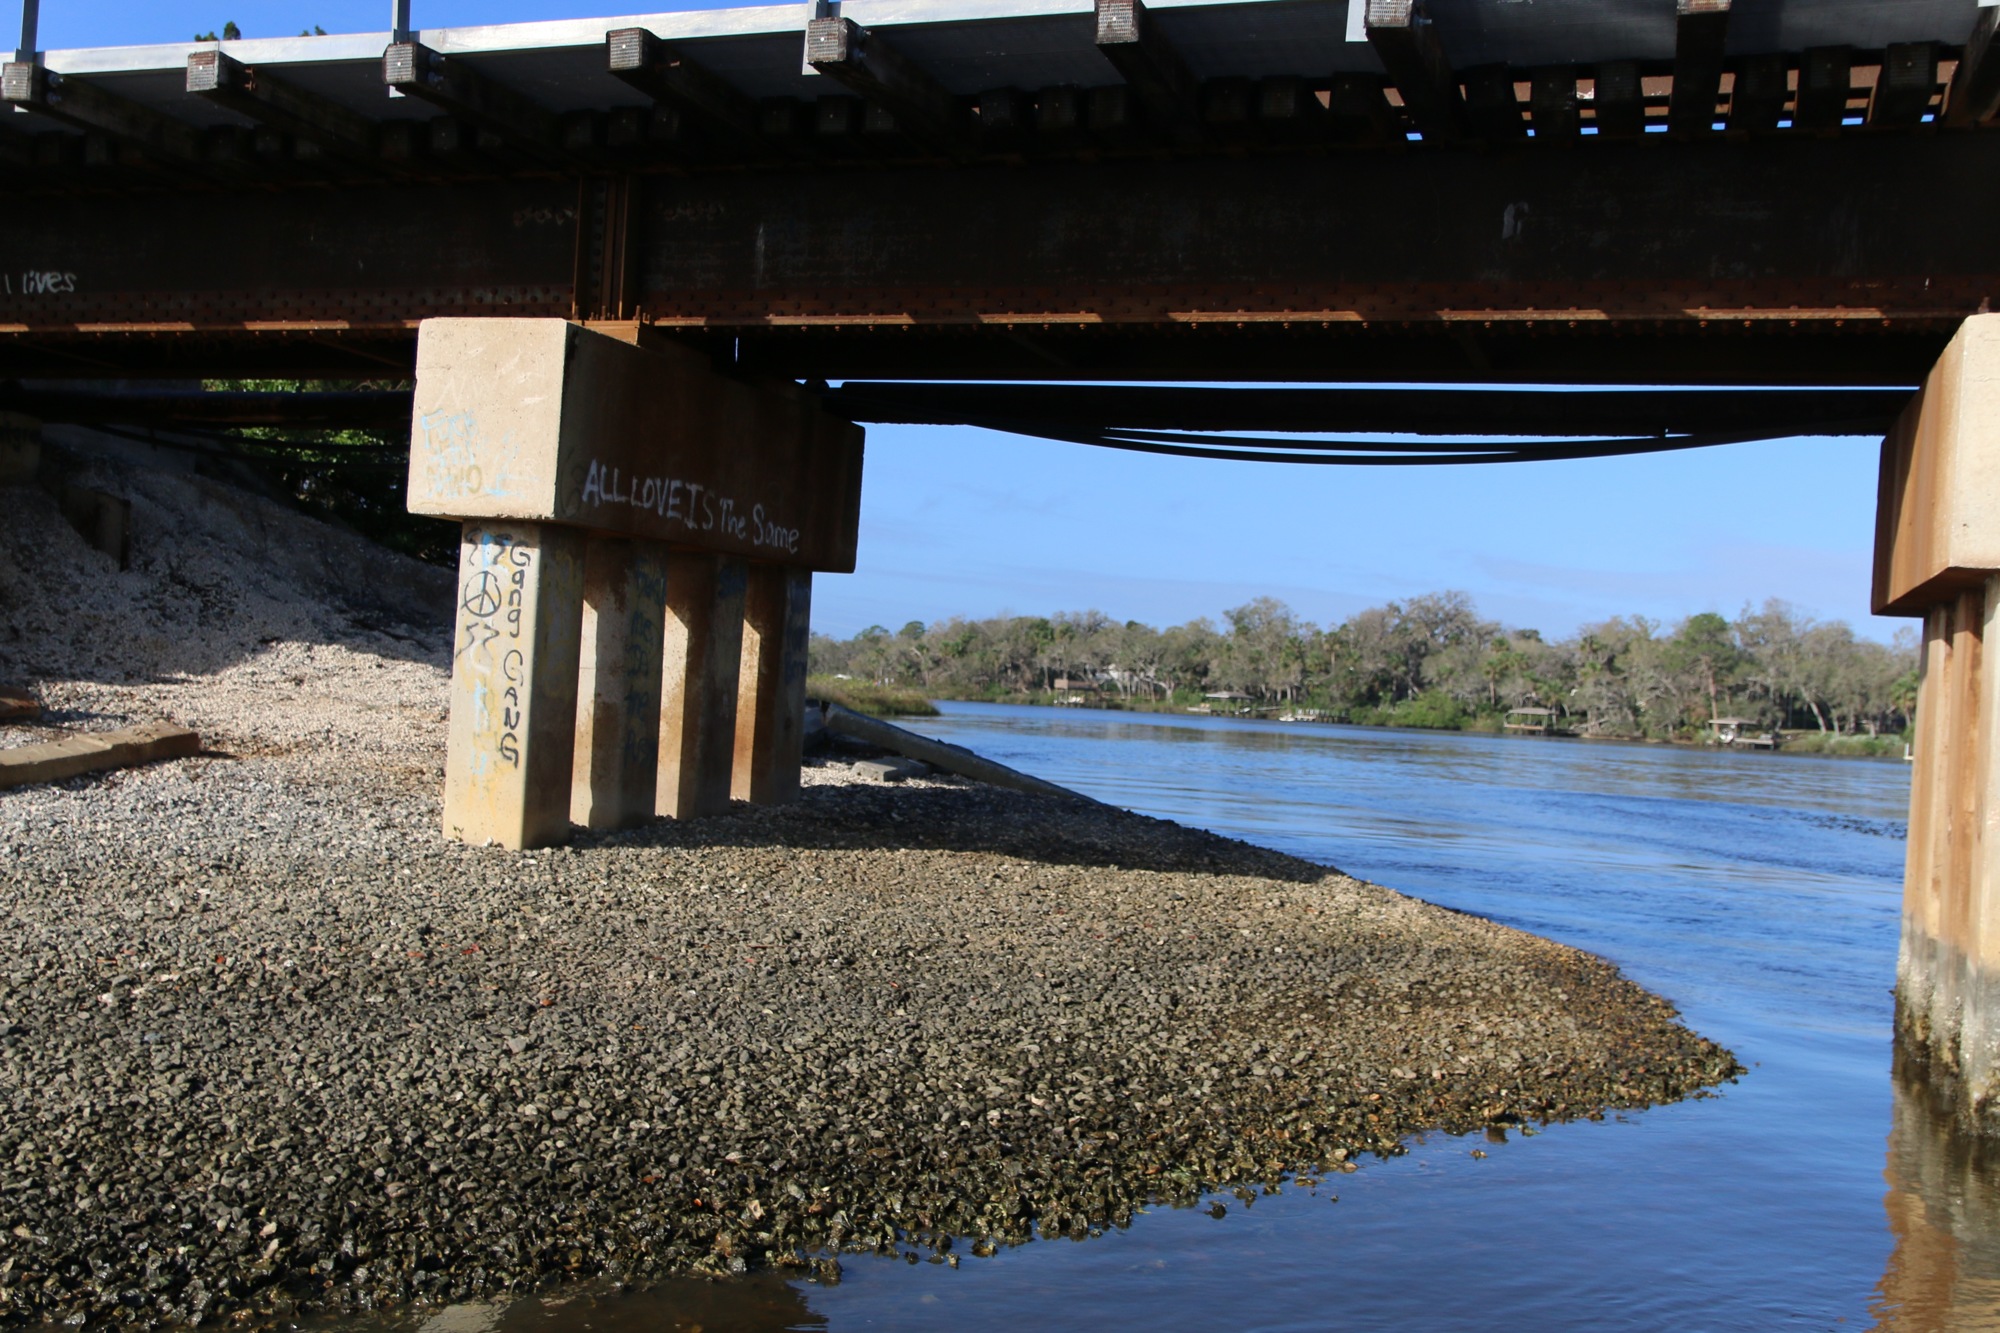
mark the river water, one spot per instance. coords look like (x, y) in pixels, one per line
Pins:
(1758, 892)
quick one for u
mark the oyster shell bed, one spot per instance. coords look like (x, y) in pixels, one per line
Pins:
(269, 1045)
(269, 1041)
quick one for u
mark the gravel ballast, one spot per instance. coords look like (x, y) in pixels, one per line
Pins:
(267, 1043)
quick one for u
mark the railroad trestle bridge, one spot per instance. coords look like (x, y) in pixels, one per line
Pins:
(624, 259)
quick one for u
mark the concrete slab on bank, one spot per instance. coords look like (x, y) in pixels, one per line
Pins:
(88, 752)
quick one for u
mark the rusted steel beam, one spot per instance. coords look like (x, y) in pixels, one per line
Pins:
(523, 124)
(1130, 38)
(840, 120)
(387, 409)
(1112, 120)
(1393, 410)
(1406, 42)
(1257, 236)
(1553, 102)
(17, 148)
(1758, 97)
(1229, 106)
(1491, 107)
(1620, 100)
(455, 144)
(1288, 111)
(1904, 87)
(786, 122)
(266, 157)
(328, 263)
(1004, 119)
(1360, 112)
(1701, 27)
(1239, 262)
(606, 248)
(647, 131)
(282, 106)
(1094, 407)
(177, 353)
(670, 77)
(869, 64)
(1616, 353)
(837, 115)
(1826, 81)
(1823, 352)
(1059, 115)
(1975, 84)
(1261, 238)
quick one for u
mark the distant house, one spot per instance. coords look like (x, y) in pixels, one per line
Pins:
(1066, 691)
(1731, 731)
(1223, 701)
(1130, 682)
(1533, 721)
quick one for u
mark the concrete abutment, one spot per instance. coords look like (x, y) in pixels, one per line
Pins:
(635, 574)
(1937, 557)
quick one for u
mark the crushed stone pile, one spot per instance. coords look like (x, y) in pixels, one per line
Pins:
(239, 617)
(269, 1045)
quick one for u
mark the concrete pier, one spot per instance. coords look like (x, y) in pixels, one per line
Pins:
(705, 597)
(1938, 557)
(635, 580)
(618, 700)
(514, 684)
(771, 690)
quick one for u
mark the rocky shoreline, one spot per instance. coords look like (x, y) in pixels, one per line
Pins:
(269, 1045)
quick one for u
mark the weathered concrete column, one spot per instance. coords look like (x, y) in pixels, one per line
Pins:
(1937, 555)
(618, 697)
(513, 684)
(771, 694)
(704, 643)
(542, 437)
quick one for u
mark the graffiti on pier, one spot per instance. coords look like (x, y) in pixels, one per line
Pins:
(493, 587)
(452, 460)
(696, 507)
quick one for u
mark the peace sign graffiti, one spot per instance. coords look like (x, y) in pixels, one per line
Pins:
(482, 595)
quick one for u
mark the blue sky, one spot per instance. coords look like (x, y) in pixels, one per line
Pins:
(972, 523)
(976, 523)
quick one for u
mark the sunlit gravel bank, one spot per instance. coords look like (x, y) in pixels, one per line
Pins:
(268, 1039)
(267, 1042)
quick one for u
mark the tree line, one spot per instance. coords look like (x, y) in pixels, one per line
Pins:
(1429, 661)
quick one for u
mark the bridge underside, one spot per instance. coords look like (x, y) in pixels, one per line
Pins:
(1638, 191)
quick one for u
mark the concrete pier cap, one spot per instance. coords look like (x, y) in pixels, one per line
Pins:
(635, 573)
(1937, 556)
